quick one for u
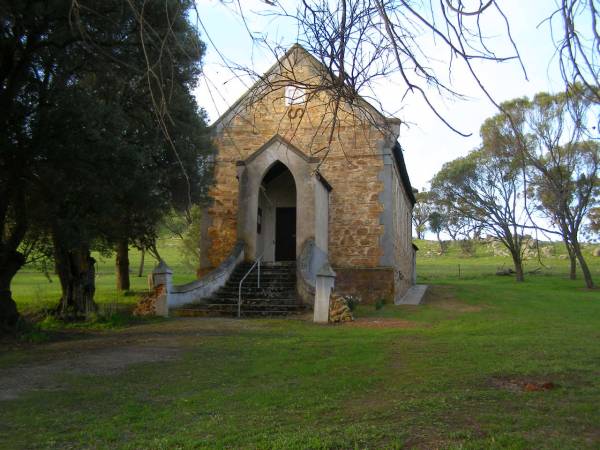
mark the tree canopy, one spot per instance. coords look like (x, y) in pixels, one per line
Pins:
(102, 136)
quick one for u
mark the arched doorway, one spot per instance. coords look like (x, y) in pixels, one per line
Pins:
(276, 215)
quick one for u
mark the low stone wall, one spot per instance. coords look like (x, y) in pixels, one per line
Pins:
(311, 259)
(370, 284)
(203, 288)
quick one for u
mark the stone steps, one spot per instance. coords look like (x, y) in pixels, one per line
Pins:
(275, 297)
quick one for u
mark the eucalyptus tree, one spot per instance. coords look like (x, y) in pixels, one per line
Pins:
(421, 212)
(486, 186)
(564, 164)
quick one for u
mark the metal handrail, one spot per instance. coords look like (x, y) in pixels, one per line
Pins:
(258, 260)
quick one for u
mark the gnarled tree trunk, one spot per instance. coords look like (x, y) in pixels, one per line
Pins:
(572, 260)
(10, 263)
(141, 269)
(585, 270)
(76, 271)
(122, 266)
(518, 262)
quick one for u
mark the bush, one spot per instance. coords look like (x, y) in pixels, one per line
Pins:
(380, 303)
(352, 301)
(467, 246)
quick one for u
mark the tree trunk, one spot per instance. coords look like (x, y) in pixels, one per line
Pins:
(10, 263)
(442, 249)
(141, 269)
(518, 262)
(572, 260)
(122, 266)
(585, 270)
(76, 272)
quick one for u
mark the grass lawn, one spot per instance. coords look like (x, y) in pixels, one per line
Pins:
(446, 374)
(33, 290)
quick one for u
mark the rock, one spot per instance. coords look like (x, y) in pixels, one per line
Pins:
(596, 252)
(147, 306)
(339, 309)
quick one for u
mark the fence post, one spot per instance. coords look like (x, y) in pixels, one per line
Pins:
(162, 275)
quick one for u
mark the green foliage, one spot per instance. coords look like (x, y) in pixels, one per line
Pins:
(352, 301)
(95, 149)
(380, 303)
(467, 247)
(421, 212)
(191, 238)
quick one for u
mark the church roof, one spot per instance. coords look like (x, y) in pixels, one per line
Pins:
(397, 151)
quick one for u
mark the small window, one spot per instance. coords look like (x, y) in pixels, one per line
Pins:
(259, 221)
(294, 95)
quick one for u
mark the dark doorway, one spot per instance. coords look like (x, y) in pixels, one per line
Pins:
(285, 234)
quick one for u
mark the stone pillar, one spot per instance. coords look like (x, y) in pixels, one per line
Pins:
(323, 287)
(162, 275)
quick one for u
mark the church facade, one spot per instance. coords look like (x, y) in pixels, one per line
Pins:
(300, 176)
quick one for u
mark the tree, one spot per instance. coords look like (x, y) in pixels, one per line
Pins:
(361, 43)
(565, 165)
(548, 135)
(436, 225)
(486, 186)
(593, 226)
(421, 212)
(93, 98)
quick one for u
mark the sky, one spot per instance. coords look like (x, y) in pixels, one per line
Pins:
(426, 141)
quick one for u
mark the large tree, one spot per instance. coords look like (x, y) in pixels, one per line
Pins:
(549, 136)
(564, 164)
(98, 111)
(486, 186)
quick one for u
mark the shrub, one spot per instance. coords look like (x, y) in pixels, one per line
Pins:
(352, 301)
(380, 303)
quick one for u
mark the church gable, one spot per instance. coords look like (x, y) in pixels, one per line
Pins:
(291, 101)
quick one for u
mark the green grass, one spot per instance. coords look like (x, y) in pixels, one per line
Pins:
(33, 290)
(452, 379)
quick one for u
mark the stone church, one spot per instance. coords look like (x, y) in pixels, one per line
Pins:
(301, 177)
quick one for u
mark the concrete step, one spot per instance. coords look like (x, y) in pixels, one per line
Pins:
(414, 295)
(275, 296)
(231, 310)
(248, 301)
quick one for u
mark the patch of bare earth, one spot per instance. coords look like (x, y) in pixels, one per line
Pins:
(383, 322)
(443, 297)
(522, 384)
(105, 353)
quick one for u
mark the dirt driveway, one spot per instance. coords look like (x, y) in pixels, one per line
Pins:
(44, 366)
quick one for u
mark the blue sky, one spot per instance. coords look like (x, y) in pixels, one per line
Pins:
(427, 142)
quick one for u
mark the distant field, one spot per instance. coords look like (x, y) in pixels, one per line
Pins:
(454, 265)
(32, 290)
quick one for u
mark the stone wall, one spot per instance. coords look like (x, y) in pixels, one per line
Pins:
(403, 253)
(371, 284)
(351, 165)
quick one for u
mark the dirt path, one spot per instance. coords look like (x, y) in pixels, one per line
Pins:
(44, 366)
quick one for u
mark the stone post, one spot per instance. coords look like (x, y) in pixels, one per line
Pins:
(323, 287)
(162, 275)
